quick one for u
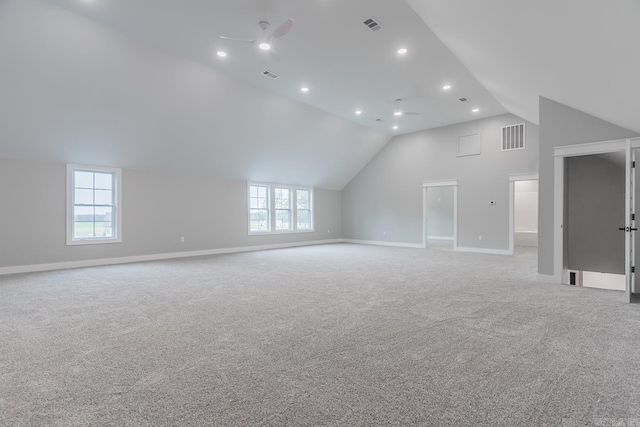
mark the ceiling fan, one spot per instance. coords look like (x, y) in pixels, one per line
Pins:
(264, 43)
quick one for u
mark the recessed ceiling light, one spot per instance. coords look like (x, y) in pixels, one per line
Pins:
(397, 113)
(304, 89)
(395, 127)
(358, 112)
(221, 53)
(402, 51)
(264, 46)
(446, 87)
(475, 110)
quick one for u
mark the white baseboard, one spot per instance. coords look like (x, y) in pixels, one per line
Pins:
(154, 257)
(440, 238)
(484, 250)
(382, 243)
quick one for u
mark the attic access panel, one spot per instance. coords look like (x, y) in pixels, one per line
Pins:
(469, 145)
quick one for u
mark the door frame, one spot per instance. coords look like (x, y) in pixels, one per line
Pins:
(560, 270)
(442, 183)
(512, 201)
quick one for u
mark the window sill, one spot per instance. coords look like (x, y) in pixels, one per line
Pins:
(80, 242)
(271, 233)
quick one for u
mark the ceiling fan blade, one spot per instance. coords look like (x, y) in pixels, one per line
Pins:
(233, 39)
(282, 29)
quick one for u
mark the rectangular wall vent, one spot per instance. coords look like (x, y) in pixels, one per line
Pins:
(372, 24)
(513, 137)
(268, 73)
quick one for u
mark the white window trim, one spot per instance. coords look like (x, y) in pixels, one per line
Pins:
(269, 211)
(276, 209)
(294, 209)
(71, 241)
(311, 210)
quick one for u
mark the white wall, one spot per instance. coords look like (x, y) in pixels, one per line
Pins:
(157, 210)
(384, 201)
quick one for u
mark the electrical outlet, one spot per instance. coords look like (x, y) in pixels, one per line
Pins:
(384, 233)
(182, 240)
(328, 231)
(480, 237)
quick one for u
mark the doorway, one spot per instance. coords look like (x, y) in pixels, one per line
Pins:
(627, 149)
(594, 212)
(523, 210)
(440, 210)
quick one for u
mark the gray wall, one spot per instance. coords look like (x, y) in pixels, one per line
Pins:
(157, 210)
(440, 212)
(595, 210)
(562, 125)
(386, 196)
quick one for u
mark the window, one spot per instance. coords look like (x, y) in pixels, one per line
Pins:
(259, 209)
(303, 209)
(283, 208)
(279, 208)
(93, 205)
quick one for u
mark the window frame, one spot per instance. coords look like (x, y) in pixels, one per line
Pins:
(277, 209)
(310, 210)
(268, 208)
(293, 198)
(117, 208)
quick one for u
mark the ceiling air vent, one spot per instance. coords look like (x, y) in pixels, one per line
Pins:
(268, 73)
(372, 24)
(463, 99)
(513, 137)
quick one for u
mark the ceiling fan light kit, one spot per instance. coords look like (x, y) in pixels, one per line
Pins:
(264, 43)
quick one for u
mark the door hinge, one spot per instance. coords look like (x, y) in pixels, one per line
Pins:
(633, 164)
(633, 217)
(633, 269)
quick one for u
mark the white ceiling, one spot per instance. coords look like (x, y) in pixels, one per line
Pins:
(346, 65)
(581, 53)
(75, 91)
(138, 84)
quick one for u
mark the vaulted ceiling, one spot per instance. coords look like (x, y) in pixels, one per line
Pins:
(581, 53)
(346, 65)
(139, 84)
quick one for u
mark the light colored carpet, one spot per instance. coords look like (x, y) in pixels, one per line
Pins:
(342, 335)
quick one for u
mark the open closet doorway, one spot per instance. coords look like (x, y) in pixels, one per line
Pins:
(440, 209)
(594, 214)
(584, 179)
